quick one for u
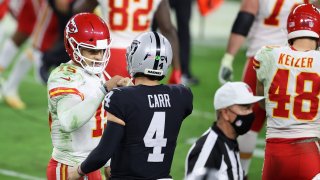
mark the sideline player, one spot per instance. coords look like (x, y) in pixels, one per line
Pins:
(41, 30)
(24, 12)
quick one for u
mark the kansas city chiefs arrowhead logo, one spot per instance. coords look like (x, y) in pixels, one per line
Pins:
(72, 27)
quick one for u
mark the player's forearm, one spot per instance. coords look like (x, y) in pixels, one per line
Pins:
(242, 25)
(234, 44)
(109, 142)
(74, 115)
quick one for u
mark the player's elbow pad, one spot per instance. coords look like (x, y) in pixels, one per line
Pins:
(243, 23)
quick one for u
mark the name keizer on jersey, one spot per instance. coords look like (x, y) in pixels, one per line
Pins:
(159, 100)
(304, 62)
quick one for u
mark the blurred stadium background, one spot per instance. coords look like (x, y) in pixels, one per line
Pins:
(25, 144)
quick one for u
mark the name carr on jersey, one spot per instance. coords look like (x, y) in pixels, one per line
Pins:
(159, 100)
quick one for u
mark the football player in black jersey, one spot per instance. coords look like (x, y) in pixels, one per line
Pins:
(143, 120)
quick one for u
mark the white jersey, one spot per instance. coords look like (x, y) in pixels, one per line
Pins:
(269, 26)
(76, 113)
(291, 82)
(127, 19)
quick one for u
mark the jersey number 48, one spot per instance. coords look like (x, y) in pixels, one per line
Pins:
(306, 87)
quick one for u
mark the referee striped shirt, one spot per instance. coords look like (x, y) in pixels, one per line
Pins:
(213, 150)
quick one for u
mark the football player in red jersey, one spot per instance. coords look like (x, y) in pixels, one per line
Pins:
(129, 18)
(261, 22)
(288, 77)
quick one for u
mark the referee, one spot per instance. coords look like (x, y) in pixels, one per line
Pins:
(217, 148)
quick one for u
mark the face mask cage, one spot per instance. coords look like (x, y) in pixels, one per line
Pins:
(92, 66)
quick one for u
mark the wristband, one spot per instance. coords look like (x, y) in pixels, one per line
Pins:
(104, 88)
(243, 23)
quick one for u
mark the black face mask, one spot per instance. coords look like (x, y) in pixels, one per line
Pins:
(242, 123)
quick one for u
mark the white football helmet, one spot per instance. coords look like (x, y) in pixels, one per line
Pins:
(150, 53)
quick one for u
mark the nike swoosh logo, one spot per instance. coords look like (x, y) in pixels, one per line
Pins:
(67, 79)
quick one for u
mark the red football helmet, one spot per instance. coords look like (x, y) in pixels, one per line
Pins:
(87, 30)
(304, 21)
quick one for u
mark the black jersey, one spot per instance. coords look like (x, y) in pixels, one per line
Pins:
(153, 117)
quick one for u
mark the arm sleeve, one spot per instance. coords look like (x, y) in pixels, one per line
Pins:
(74, 113)
(187, 99)
(109, 142)
(189, 102)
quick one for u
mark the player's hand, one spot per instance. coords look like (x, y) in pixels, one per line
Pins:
(125, 82)
(226, 70)
(112, 83)
(107, 173)
(73, 173)
(175, 77)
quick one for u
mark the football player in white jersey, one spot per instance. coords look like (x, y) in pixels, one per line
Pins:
(76, 92)
(127, 19)
(264, 22)
(289, 78)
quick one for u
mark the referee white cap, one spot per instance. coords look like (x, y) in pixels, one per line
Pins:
(232, 93)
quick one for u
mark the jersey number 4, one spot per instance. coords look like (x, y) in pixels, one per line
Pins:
(307, 88)
(154, 137)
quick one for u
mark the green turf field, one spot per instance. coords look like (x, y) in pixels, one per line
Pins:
(25, 146)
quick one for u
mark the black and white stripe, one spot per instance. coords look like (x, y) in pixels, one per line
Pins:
(158, 49)
(213, 150)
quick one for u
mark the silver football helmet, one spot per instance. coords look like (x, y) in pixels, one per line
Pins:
(150, 53)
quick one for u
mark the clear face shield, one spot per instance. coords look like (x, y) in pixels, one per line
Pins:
(93, 59)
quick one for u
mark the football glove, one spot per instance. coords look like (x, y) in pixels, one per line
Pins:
(175, 77)
(226, 70)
